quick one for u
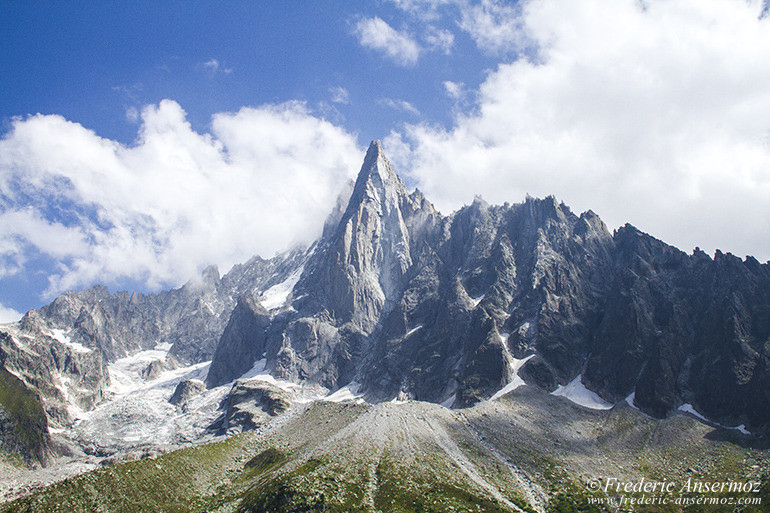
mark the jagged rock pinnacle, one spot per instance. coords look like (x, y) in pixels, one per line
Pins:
(377, 167)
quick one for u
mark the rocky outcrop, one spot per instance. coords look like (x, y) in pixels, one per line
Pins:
(190, 318)
(355, 277)
(241, 344)
(61, 351)
(685, 329)
(360, 269)
(411, 303)
(186, 390)
(61, 372)
(153, 370)
(250, 403)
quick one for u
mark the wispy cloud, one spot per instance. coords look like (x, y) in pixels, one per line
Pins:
(214, 66)
(401, 105)
(455, 90)
(439, 39)
(495, 26)
(158, 211)
(340, 95)
(376, 34)
(132, 114)
(424, 9)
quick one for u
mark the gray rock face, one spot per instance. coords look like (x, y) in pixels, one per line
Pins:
(689, 329)
(414, 304)
(361, 270)
(356, 276)
(153, 370)
(191, 318)
(241, 344)
(61, 351)
(63, 374)
(23, 423)
(250, 403)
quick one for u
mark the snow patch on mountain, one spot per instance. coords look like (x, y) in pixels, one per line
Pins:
(138, 412)
(576, 392)
(299, 393)
(515, 380)
(476, 300)
(61, 336)
(514, 364)
(413, 330)
(688, 408)
(276, 296)
(348, 393)
(18, 339)
(126, 373)
(449, 401)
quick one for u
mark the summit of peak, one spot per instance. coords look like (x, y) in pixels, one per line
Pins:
(374, 154)
(377, 187)
(375, 147)
(376, 166)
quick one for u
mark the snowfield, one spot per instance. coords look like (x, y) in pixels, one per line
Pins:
(138, 413)
(62, 337)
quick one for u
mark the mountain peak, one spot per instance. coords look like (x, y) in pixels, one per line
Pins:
(377, 182)
(364, 271)
(375, 163)
(375, 150)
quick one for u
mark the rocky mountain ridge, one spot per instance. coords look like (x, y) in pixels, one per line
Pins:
(411, 304)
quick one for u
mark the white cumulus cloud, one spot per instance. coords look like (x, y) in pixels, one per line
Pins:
(9, 314)
(376, 34)
(656, 113)
(175, 201)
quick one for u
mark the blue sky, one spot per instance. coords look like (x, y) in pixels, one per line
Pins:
(92, 62)
(141, 143)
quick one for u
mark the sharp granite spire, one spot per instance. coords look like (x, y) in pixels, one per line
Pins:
(377, 181)
(370, 250)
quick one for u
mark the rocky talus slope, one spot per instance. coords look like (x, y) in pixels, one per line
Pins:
(530, 451)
